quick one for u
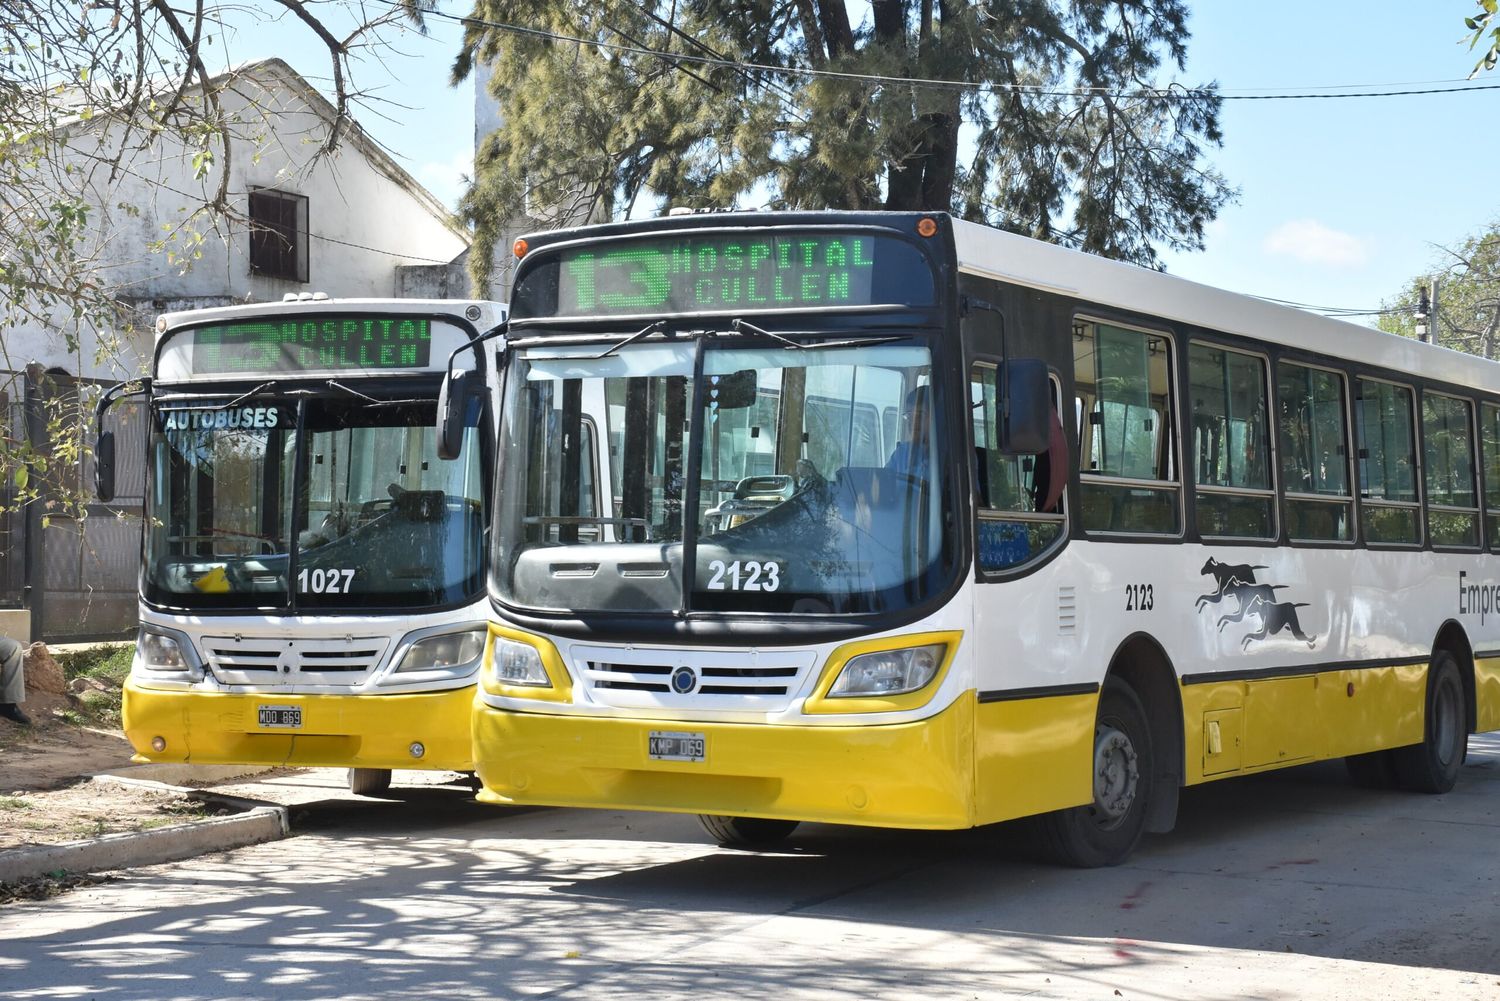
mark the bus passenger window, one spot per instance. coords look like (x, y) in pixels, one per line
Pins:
(1448, 466)
(1384, 417)
(1019, 497)
(1489, 431)
(1314, 437)
(1229, 443)
(1129, 479)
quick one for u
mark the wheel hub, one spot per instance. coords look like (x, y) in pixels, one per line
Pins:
(1116, 773)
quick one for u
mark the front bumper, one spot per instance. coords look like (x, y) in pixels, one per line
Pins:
(917, 774)
(355, 731)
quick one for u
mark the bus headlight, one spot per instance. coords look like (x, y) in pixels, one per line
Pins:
(888, 672)
(519, 664)
(445, 651)
(161, 656)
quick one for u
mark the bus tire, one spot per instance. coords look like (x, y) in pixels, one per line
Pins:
(746, 832)
(1107, 830)
(369, 781)
(1433, 765)
(1375, 770)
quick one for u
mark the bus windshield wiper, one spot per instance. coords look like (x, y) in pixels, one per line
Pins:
(745, 327)
(644, 332)
(372, 401)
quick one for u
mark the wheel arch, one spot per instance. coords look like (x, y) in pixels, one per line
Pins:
(1452, 637)
(1141, 662)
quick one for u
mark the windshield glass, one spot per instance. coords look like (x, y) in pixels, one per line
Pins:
(816, 488)
(374, 517)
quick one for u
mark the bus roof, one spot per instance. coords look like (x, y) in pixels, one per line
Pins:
(1020, 260)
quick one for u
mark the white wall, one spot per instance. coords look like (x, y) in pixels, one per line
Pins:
(365, 217)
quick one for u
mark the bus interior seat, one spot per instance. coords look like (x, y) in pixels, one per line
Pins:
(421, 505)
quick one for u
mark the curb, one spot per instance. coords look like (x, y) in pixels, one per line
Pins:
(260, 823)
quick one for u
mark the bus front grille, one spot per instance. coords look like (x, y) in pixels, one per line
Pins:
(246, 660)
(761, 681)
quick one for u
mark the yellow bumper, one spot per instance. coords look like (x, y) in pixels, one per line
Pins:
(901, 775)
(355, 731)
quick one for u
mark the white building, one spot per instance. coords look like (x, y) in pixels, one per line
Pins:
(349, 223)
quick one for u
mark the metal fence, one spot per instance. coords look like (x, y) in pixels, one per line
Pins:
(78, 574)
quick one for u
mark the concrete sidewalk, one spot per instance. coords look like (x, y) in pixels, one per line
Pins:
(253, 822)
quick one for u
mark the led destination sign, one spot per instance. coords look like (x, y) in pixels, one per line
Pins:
(734, 272)
(283, 345)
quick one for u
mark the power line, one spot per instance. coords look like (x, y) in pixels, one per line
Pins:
(1172, 92)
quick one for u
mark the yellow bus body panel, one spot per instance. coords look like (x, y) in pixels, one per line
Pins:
(1241, 726)
(355, 731)
(1487, 694)
(1033, 756)
(917, 774)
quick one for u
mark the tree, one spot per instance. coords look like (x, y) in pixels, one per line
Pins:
(1468, 310)
(87, 93)
(1041, 116)
(1480, 23)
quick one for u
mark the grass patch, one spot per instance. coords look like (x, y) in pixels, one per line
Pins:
(107, 662)
(13, 803)
(104, 667)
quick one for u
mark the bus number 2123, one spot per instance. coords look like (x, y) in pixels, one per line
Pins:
(1139, 597)
(322, 581)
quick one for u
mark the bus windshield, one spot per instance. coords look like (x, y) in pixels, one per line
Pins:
(816, 487)
(355, 508)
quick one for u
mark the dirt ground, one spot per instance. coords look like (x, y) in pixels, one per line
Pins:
(46, 795)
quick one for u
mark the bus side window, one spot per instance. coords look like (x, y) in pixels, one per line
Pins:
(1129, 481)
(1314, 438)
(1229, 443)
(1385, 416)
(1489, 433)
(1016, 523)
(1448, 463)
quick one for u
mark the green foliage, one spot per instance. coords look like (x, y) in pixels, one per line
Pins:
(1481, 24)
(1055, 125)
(87, 92)
(1468, 313)
(107, 662)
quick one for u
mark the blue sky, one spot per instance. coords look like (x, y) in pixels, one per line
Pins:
(1341, 201)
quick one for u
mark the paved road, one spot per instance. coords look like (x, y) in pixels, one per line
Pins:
(1295, 885)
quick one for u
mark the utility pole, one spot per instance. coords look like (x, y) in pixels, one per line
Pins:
(1427, 307)
(1432, 322)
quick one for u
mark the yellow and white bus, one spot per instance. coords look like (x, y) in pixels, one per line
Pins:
(898, 520)
(312, 587)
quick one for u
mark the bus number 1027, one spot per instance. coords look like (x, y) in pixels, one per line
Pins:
(322, 581)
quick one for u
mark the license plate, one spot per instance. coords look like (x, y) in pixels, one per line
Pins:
(671, 745)
(281, 717)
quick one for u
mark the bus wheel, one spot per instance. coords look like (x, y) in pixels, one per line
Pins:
(1106, 831)
(369, 781)
(1432, 765)
(746, 832)
(1376, 770)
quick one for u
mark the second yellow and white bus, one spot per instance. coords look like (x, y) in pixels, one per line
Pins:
(897, 520)
(312, 585)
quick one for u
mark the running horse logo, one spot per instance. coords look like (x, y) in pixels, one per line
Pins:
(1238, 580)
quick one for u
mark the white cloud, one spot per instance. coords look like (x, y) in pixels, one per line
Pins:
(1311, 242)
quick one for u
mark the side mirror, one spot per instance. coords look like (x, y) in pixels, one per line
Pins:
(453, 401)
(1027, 427)
(104, 466)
